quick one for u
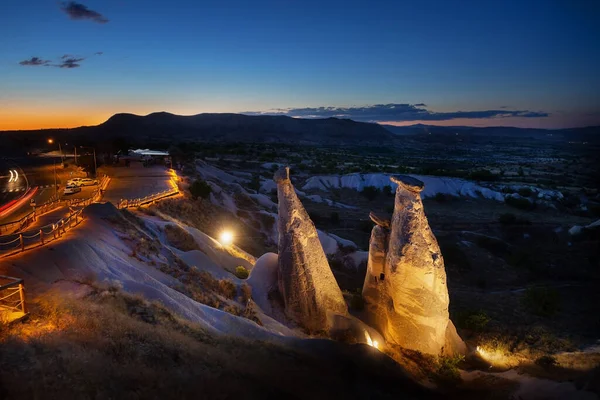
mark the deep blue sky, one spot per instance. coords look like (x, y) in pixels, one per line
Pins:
(524, 63)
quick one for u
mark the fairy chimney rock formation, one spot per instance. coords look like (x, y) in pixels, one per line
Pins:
(405, 286)
(309, 290)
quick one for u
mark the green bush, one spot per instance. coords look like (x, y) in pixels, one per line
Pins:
(241, 272)
(200, 189)
(447, 369)
(541, 301)
(477, 321)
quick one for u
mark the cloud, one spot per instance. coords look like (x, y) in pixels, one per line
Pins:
(35, 61)
(79, 11)
(98, 53)
(66, 61)
(395, 112)
(70, 63)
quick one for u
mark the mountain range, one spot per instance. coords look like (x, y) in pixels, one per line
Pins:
(163, 128)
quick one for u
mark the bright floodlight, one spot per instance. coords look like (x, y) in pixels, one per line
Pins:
(226, 238)
(50, 141)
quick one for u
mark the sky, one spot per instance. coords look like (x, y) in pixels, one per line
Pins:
(523, 63)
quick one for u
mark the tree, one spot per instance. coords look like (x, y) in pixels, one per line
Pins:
(521, 172)
(200, 189)
(370, 192)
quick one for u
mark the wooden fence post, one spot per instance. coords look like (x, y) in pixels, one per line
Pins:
(22, 295)
(42, 236)
(22, 242)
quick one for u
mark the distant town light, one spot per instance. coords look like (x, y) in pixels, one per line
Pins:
(50, 141)
(226, 238)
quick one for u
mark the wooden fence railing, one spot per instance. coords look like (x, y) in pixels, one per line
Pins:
(18, 242)
(25, 221)
(12, 299)
(129, 203)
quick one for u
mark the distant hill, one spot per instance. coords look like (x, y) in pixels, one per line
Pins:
(162, 127)
(591, 133)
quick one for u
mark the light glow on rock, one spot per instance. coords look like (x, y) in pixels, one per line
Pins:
(226, 238)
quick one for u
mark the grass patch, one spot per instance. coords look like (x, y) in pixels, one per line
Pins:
(180, 238)
(101, 347)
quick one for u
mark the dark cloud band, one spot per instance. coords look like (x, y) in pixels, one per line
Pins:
(396, 112)
(79, 11)
(67, 61)
(34, 61)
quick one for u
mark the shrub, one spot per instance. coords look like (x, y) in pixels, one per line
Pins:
(180, 238)
(200, 189)
(387, 190)
(520, 171)
(227, 288)
(477, 321)
(246, 292)
(241, 272)
(447, 369)
(370, 192)
(541, 301)
(546, 361)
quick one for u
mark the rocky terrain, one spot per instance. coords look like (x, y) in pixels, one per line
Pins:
(429, 303)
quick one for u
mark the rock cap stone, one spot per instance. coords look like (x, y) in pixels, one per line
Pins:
(282, 175)
(408, 182)
(379, 220)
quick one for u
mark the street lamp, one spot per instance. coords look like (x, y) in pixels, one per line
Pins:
(94, 149)
(50, 141)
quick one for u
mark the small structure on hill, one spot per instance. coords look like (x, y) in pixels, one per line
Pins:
(309, 290)
(405, 289)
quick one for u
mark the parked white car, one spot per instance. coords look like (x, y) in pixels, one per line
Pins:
(74, 182)
(70, 189)
(88, 182)
(82, 182)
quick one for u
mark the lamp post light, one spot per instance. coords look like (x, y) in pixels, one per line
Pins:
(62, 160)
